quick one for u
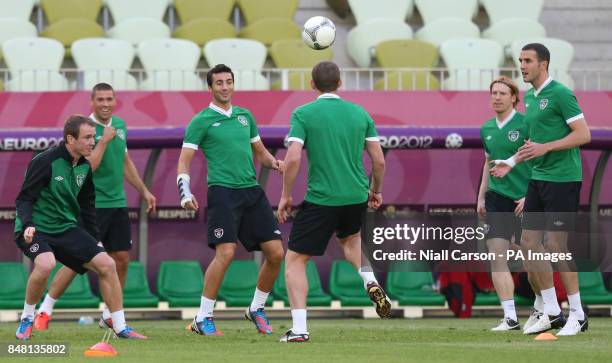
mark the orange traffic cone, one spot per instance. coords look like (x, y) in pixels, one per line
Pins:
(545, 336)
(103, 348)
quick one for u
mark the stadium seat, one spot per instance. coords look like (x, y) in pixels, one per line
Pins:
(246, 58)
(12, 290)
(104, 60)
(501, 10)
(346, 285)
(270, 30)
(11, 28)
(78, 295)
(203, 30)
(122, 10)
(407, 54)
(316, 295)
(254, 10)
(189, 10)
(67, 31)
(440, 30)
(57, 10)
(21, 9)
(592, 288)
(412, 284)
(508, 30)
(472, 63)
(136, 292)
(366, 10)
(239, 283)
(432, 10)
(34, 64)
(180, 283)
(486, 299)
(561, 56)
(339, 7)
(170, 64)
(362, 39)
(293, 53)
(137, 30)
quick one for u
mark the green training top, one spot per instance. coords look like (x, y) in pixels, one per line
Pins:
(108, 177)
(334, 133)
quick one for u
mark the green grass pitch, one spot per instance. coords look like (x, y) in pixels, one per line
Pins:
(399, 340)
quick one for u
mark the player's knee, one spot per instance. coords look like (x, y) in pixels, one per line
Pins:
(225, 252)
(44, 266)
(106, 266)
(276, 257)
(121, 260)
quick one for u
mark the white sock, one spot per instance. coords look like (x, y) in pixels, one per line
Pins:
(47, 305)
(509, 310)
(106, 314)
(28, 311)
(538, 304)
(551, 305)
(259, 300)
(206, 308)
(367, 276)
(299, 321)
(575, 306)
(118, 321)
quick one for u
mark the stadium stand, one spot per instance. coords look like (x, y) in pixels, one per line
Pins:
(12, 290)
(502, 10)
(592, 288)
(203, 30)
(16, 9)
(366, 10)
(362, 39)
(340, 7)
(293, 53)
(442, 29)
(346, 285)
(472, 63)
(189, 10)
(239, 283)
(246, 58)
(136, 292)
(67, 31)
(122, 10)
(11, 28)
(77, 295)
(170, 64)
(316, 295)
(104, 60)
(180, 283)
(269, 30)
(432, 10)
(34, 64)
(56, 10)
(411, 284)
(255, 10)
(508, 30)
(136, 30)
(407, 54)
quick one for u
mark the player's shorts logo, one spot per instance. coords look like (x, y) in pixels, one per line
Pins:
(218, 232)
(80, 179)
(34, 248)
(513, 135)
(543, 103)
(243, 120)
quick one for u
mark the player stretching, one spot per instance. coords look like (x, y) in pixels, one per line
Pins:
(110, 163)
(502, 200)
(334, 133)
(57, 190)
(238, 209)
(556, 129)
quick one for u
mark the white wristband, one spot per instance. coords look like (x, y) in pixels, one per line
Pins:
(511, 162)
(182, 181)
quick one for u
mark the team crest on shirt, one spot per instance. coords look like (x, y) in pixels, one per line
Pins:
(243, 120)
(513, 135)
(543, 103)
(121, 134)
(80, 179)
(218, 232)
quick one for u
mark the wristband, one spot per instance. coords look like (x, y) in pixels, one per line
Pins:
(511, 162)
(182, 181)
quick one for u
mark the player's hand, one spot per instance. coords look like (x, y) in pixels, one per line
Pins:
(375, 200)
(279, 166)
(499, 168)
(480, 208)
(108, 134)
(28, 234)
(520, 204)
(531, 150)
(193, 204)
(284, 209)
(151, 201)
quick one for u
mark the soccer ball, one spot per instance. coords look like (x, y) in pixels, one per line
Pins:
(453, 141)
(319, 32)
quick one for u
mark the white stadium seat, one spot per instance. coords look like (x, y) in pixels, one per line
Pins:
(363, 39)
(170, 64)
(472, 63)
(245, 57)
(366, 10)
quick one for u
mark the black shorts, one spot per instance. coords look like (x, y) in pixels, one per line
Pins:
(115, 230)
(240, 214)
(501, 220)
(551, 206)
(72, 248)
(315, 224)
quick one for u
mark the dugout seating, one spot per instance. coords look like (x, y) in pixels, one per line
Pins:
(362, 39)
(122, 10)
(269, 30)
(16, 9)
(13, 289)
(255, 10)
(57, 10)
(77, 295)
(245, 57)
(441, 30)
(67, 31)
(293, 53)
(203, 30)
(136, 30)
(316, 295)
(432, 10)
(501, 10)
(136, 292)
(188, 10)
(472, 63)
(346, 285)
(170, 64)
(366, 10)
(507, 31)
(411, 285)
(239, 283)
(592, 288)
(407, 54)
(180, 283)
(104, 60)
